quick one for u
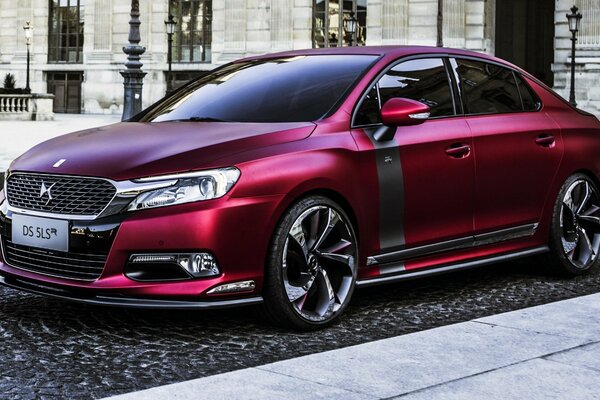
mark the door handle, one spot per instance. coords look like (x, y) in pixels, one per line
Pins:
(458, 150)
(545, 140)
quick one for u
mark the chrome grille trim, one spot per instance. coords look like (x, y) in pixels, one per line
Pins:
(70, 195)
(74, 266)
(125, 192)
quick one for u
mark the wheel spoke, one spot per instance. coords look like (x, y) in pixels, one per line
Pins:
(589, 218)
(332, 219)
(585, 249)
(313, 235)
(587, 194)
(338, 247)
(326, 293)
(299, 238)
(296, 291)
(300, 301)
(343, 259)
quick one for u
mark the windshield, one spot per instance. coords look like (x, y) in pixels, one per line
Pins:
(293, 89)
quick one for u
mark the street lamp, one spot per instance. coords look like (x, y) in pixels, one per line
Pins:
(28, 35)
(170, 25)
(574, 20)
(351, 25)
(133, 75)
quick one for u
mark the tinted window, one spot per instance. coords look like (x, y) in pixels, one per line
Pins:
(487, 88)
(530, 99)
(424, 80)
(369, 112)
(293, 89)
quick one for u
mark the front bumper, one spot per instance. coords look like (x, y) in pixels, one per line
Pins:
(236, 230)
(100, 300)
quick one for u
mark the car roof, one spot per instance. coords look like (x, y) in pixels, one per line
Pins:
(388, 51)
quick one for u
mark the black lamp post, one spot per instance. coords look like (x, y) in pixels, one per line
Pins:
(28, 35)
(574, 20)
(351, 25)
(170, 24)
(134, 76)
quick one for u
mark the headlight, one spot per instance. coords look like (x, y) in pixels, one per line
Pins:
(193, 186)
(2, 184)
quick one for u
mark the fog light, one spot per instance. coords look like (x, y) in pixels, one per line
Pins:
(149, 258)
(196, 265)
(243, 286)
(199, 264)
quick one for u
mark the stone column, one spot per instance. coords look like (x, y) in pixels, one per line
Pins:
(387, 22)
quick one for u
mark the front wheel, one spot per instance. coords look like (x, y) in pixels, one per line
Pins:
(312, 267)
(575, 230)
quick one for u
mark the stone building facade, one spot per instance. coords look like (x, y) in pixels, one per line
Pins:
(76, 51)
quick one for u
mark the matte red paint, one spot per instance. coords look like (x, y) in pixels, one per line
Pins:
(505, 179)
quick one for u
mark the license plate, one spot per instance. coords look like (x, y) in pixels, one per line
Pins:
(43, 233)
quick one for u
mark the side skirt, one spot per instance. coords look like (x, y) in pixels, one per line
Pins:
(406, 275)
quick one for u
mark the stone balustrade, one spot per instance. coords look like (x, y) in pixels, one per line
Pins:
(26, 107)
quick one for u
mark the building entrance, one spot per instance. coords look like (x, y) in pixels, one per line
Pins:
(66, 88)
(525, 35)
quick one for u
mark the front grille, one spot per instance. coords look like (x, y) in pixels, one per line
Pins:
(59, 194)
(85, 267)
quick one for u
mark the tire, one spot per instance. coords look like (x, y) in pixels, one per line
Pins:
(575, 227)
(312, 266)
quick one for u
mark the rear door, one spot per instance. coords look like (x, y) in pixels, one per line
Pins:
(517, 147)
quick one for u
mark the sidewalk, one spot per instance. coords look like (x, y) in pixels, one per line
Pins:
(16, 137)
(546, 352)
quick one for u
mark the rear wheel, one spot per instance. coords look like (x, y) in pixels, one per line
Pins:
(312, 267)
(575, 231)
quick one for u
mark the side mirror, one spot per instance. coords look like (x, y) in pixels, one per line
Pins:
(400, 112)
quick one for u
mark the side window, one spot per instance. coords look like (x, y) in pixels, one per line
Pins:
(530, 99)
(368, 114)
(488, 88)
(425, 80)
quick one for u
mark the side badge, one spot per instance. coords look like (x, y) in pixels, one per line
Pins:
(59, 162)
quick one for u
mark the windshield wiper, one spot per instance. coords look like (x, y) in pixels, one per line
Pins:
(196, 119)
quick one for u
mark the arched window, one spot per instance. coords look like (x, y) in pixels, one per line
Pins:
(330, 22)
(193, 32)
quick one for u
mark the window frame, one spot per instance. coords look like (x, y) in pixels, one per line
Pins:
(515, 74)
(390, 66)
(206, 29)
(341, 24)
(456, 86)
(55, 36)
(211, 75)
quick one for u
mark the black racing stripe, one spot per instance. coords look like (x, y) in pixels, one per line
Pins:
(391, 193)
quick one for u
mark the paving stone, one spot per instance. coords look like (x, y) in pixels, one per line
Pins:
(249, 384)
(533, 380)
(411, 362)
(68, 350)
(587, 356)
(565, 319)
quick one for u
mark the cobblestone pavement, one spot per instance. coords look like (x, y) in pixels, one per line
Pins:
(55, 349)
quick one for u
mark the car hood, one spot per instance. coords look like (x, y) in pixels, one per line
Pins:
(131, 150)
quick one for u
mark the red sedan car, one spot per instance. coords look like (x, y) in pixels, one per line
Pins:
(289, 179)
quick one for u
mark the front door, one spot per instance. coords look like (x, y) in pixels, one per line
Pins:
(66, 88)
(426, 172)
